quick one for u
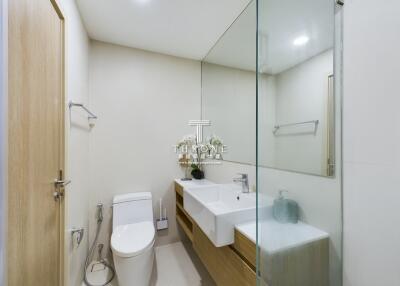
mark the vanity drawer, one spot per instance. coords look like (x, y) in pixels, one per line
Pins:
(225, 266)
(246, 248)
(179, 189)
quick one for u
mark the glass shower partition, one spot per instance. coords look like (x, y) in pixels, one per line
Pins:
(299, 217)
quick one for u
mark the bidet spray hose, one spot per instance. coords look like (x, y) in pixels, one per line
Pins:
(91, 250)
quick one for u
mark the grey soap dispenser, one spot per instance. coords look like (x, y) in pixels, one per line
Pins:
(285, 210)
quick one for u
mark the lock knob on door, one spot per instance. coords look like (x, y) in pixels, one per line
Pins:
(60, 185)
(57, 195)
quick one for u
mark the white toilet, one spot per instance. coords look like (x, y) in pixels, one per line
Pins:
(133, 238)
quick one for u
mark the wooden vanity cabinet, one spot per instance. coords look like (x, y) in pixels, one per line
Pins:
(224, 264)
(182, 217)
(235, 265)
(232, 265)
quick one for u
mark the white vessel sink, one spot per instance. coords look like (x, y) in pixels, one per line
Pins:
(218, 208)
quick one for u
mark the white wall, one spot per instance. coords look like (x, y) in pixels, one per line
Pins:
(3, 134)
(77, 142)
(144, 101)
(371, 143)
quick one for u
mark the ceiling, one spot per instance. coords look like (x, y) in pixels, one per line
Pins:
(283, 21)
(280, 23)
(237, 47)
(182, 28)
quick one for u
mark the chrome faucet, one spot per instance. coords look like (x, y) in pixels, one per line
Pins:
(244, 179)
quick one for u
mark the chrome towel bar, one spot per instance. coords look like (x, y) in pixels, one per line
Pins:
(277, 127)
(91, 114)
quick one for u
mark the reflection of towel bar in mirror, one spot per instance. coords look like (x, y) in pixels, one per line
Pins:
(277, 127)
(91, 114)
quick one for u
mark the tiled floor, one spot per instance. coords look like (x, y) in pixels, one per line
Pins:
(98, 275)
(175, 265)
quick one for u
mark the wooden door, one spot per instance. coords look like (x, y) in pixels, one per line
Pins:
(36, 143)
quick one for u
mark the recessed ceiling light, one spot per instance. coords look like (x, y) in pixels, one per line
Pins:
(301, 41)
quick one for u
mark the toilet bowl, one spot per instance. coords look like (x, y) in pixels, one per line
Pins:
(133, 237)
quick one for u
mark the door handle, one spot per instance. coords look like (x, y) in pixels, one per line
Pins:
(61, 183)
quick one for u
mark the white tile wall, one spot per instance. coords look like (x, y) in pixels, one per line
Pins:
(371, 143)
(144, 101)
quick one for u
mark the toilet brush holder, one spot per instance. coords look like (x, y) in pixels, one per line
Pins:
(162, 223)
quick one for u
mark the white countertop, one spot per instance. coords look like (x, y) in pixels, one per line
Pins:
(275, 236)
(193, 183)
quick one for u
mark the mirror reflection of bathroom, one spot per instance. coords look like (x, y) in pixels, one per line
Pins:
(296, 95)
(229, 88)
(296, 91)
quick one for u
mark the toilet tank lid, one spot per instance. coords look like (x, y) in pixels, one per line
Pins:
(132, 197)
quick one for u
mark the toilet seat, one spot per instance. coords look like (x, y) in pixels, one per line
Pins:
(132, 239)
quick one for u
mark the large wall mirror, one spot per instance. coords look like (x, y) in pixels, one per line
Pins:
(229, 88)
(296, 101)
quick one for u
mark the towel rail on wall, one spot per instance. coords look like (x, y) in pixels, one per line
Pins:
(277, 127)
(91, 114)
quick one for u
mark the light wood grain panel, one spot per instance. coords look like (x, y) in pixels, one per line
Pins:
(246, 248)
(306, 265)
(36, 143)
(224, 265)
(180, 207)
(182, 217)
(179, 189)
(184, 225)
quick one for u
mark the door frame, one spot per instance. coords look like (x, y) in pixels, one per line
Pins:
(3, 138)
(61, 14)
(58, 9)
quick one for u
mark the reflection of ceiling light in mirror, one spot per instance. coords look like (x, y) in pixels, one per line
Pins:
(142, 1)
(301, 41)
